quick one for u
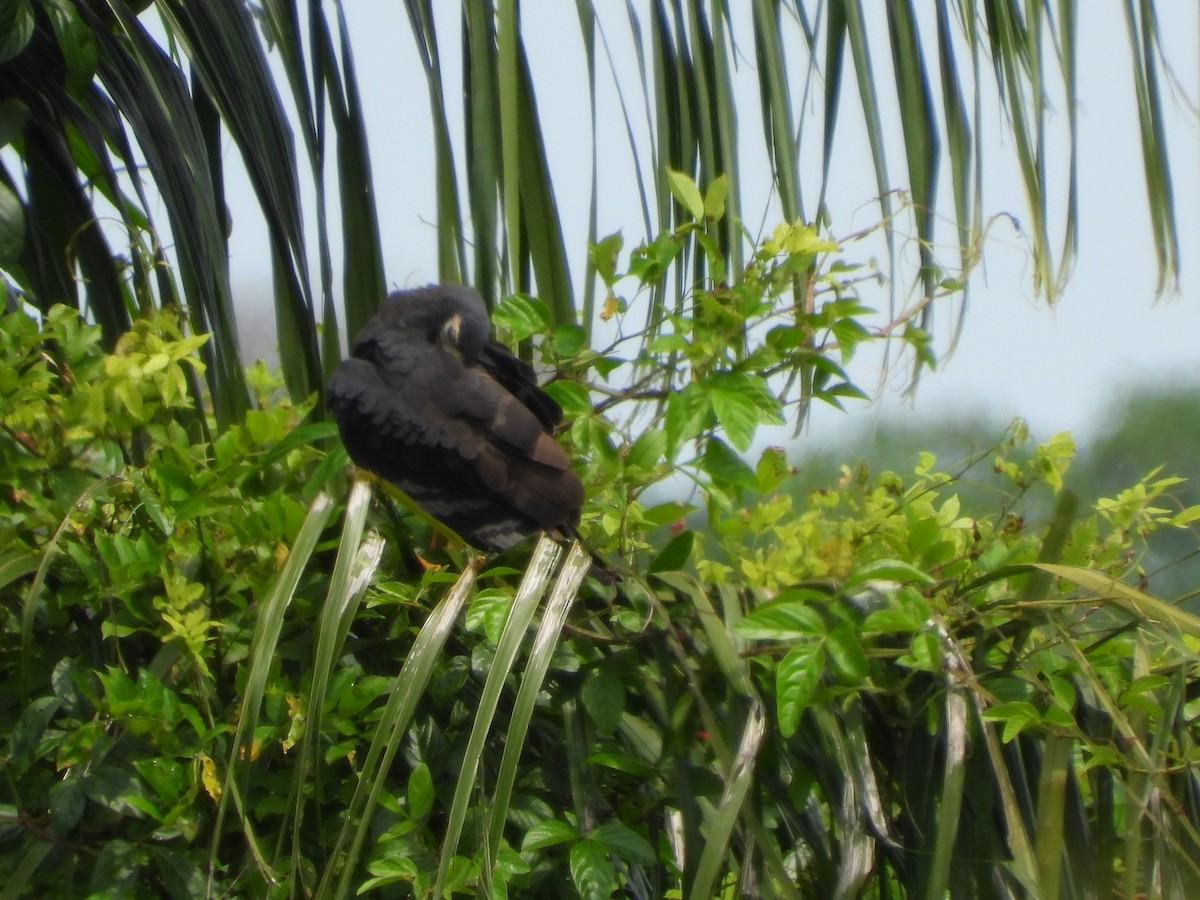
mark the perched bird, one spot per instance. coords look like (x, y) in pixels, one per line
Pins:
(428, 401)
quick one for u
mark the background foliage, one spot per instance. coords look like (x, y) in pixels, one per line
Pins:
(224, 672)
(858, 691)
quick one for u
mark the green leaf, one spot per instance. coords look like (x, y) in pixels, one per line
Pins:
(569, 339)
(572, 396)
(684, 189)
(903, 620)
(675, 555)
(13, 117)
(389, 870)
(741, 403)
(547, 833)
(668, 513)
(687, 415)
(16, 26)
(1017, 716)
(796, 681)
(646, 453)
(725, 467)
(15, 565)
(115, 870)
(846, 653)
(488, 612)
(781, 621)
(522, 317)
(624, 842)
(603, 696)
(714, 198)
(420, 793)
(75, 41)
(1138, 602)
(30, 726)
(772, 469)
(649, 262)
(12, 227)
(67, 803)
(592, 870)
(622, 762)
(179, 873)
(604, 254)
(887, 570)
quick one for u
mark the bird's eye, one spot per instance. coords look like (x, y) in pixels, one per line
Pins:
(450, 330)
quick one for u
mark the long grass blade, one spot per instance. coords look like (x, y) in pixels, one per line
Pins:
(31, 859)
(644, 74)
(221, 43)
(779, 130)
(282, 23)
(539, 211)
(410, 686)
(261, 658)
(484, 158)
(451, 250)
(149, 90)
(363, 282)
(735, 669)
(1067, 40)
(587, 28)
(950, 803)
(1142, 27)
(959, 140)
(520, 614)
(63, 232)
(922, 147)
(724, 115)
(1048, 828)
(508, 87)
(1139, 603)
(843, 763)
(558, 604)
(737, 786)
(1016, 835)
(868, 95)
(836, 27)
(356, 563)
(1012, 49)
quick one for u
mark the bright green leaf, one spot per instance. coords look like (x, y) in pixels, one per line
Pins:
(684, 189)
(714, 198)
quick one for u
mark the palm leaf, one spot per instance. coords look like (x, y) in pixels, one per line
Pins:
(229, 59)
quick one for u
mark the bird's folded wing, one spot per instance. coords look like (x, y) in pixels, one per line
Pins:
(443, 423)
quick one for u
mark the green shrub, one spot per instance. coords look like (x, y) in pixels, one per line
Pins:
(860, 691)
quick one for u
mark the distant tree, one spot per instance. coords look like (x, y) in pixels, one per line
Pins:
(1152, 426)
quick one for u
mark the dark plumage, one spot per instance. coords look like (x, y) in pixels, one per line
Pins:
(428, 401)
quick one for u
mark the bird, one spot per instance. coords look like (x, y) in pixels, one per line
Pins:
(430, 402)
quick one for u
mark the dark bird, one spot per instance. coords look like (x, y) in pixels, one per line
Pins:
(428, 401)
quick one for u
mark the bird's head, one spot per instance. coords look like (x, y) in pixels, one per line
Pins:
(452, 315)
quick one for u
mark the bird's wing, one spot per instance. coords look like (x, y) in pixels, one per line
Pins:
(519, 379)
(518, 458)
(455, 439)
